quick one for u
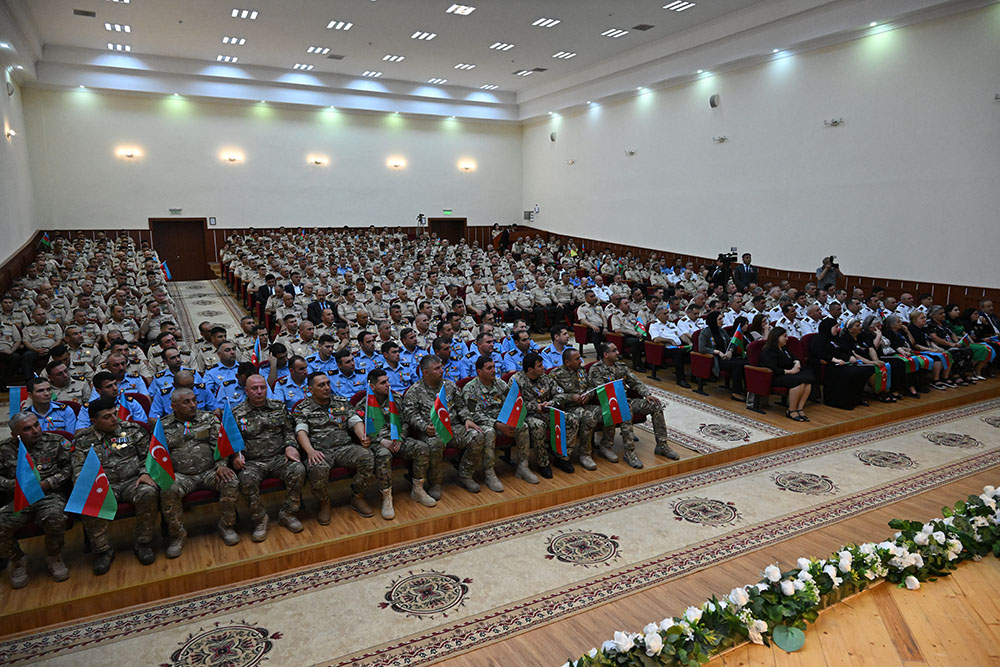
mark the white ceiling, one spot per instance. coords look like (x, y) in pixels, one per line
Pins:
(175, 45)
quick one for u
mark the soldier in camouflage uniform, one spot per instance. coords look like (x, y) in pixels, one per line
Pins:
(608, 369)
(540, 392)
(418, 404)
(484, 396)
(323, 427)
(191, 439)
(121, 448)
(383, 447)
(51, 454)
(268, 436)
(574, 400)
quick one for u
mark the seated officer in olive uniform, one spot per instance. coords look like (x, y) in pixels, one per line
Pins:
(268, 436)
(52, 415)
(51, 454)
(121, 448)
(323, 427)
(192, 436)
(539, 392)
(573, 399)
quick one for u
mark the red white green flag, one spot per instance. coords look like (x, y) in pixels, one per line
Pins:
(441, 418)
(159, 465)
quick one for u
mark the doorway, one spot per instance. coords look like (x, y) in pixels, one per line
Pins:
(180, 242)
(452, 229)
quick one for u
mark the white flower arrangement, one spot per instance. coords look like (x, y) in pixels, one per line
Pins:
(783, 603)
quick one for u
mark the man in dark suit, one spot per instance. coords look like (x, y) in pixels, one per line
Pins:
(314, 311)
(295, 287)
(266, 290)
(719, 274)
(745, 274)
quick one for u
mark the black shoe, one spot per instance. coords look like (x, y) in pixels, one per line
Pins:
(563, 465)
(683, 383)
(103, 562)
(545, 472)
(145, 554)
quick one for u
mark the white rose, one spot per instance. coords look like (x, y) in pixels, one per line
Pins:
(921, 539)
(755, 635)
(988, 501)
(939, 537)
(623, 642)
(798, 584)
(954, 545)
(917, 560)
(912, 583)
(989, 490)
(927, 529)
(845, 555)
(759, 625)
(666, 624)
(867, 548)
(787, 587)
(738, 597)
(609, 646)
(948, 521)
(845, 565)
(651, 629)
(804, 563)
(831, 572)
(762, 587)
(592, 652)
(804, 575)
(692, 614)
(772, 573)
(654, 644)
(870, 575)
(709, 607)
(723, 604)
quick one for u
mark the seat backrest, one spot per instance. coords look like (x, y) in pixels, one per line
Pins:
(141, 399)
(795, 347)
(805, 347)
(654, 352)
(73, 405)
(753, 352)
(694, 341)
(464, 381)
(65, 434)
(358, 395)
(580, 333)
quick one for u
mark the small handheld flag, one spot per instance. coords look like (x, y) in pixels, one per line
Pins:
(440, 418)
(230, 439)
(92, 494)
(738, 342)
(255, 354)
(557, 432)
(614, 405)
(512, 413)
(17, 396)
(395, 420)
(640, 327)
(123, 411)
(27, 481)
(46, 241)
(375, 419)
(159, 465)
(166, 271)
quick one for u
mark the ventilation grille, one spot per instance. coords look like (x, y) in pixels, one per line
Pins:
(335, 56)
(540, 69)
(643, 27)
(84, 12)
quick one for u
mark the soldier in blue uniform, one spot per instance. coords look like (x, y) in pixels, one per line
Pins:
(324, 360)
(277, 365)
(409, 353)
(163, 383)
(217, 374)
(513, 360)
(107, 387)
(552, 354)
(52, 415)
(453, 369)
(234, 391)
(366, 359)
(130, 383)
(485, 346)
(400, 375)
(294, 387)
(347, 381)
(183, 379)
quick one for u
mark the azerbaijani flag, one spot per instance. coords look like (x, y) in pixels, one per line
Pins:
(614, 404)
(557, 432)
(17, 396)
(166, 271)
(375, 420)
(440, 418)
(512, 413)
(640, 326)
(92, 494)
(27, 481)
(255, 353)
(395, 420)
(230, 439)
(123, 411)
(739, 341)
(46, 241)
(158, 462)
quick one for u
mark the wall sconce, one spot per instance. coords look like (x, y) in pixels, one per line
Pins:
(396, 162)
(319, 160)
(571, 162)
(834, 122)
(467, 165)
(231, 156)
(721, 139)
(10, 134)
(128, 152)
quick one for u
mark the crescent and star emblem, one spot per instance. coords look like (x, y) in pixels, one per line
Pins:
(157, 450)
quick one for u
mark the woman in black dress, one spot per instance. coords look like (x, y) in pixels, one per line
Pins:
(921, 342)
(891, 345)
(788, 373)
(713, 340)
(843, 379)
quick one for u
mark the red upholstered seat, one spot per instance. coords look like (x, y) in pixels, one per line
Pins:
(200, 497)
(464, 381)
(580, 335)
(508, 375)
(74, 406)
(271, 484)
(701, 369)
(654, 356)
(758, 378)
(358, 395)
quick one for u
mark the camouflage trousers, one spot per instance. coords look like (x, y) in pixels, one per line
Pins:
(470, 441)
(589, 417)
(411, 449)
(522, 445)
(349, 456)
(145, 497)
(541, 438)
(641, 408)
(292, 473)
(47, 513)
(173, 510)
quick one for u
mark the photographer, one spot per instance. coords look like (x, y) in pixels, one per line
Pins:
(829, 274)
(720, 273)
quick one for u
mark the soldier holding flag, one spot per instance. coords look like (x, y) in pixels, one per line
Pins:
(575, 399)
(540, 391)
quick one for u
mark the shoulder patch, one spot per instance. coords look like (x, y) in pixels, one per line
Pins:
(132, 375)
(161, 373)
(166, 390)
(211, 367)
(199, 385)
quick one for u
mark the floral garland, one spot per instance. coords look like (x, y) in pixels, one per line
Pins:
(779, 607)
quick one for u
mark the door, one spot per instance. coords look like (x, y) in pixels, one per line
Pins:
(452, 229)
(180, 242)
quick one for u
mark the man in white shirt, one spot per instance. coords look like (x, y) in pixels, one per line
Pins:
(810, 323)
(662, 330)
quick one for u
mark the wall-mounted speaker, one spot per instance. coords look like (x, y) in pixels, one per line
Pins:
(713, 101)
(552, 137)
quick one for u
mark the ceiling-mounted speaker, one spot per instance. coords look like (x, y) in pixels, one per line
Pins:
(713, 101)
(552, 137)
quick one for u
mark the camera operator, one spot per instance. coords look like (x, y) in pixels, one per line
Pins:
(720, 273)
(829, 274)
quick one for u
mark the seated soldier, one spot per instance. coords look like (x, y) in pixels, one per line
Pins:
(192, 436)
(121, 448)
(539, 392)
(575, 398)
(293, 387)
(64, 386)
(105, 386)
(52, 415)
(51, 454)
(346, 382)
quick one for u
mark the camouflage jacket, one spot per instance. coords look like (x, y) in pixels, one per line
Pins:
(191, 443)
(52, 460)
(419, 403)
(266, 430)
(122, 452)
(536, 391)
(569, 383)
(600, 373)
(484, 403)
(326, 425)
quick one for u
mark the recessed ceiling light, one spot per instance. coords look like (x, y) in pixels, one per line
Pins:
(461, 10)
(124, 2)
(488, 86)
(701, 71)
(302, 66)
(564, 55)
(226, 59)
(678, 6)
(82, 86)
(393, 59)
(235, 41)
(177, 94)
(614, 33)
(372, 75)
(4, 45)
(426, 36)
(322, 50)
(437, 81)
(127, 48)
(18, 67)
(550, 113)
(775, 50)
(873, 24)
(464, 66)
(524, 72)
(339, 25)
(117, 27)
(501, 46)
(546, 23)
(250, 14)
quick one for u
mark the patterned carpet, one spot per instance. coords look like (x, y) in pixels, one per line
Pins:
(420, 602)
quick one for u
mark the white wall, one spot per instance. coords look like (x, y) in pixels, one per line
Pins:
(909, 187)
(17, 211)
(81, 183)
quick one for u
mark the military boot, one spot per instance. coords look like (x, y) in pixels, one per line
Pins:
(387, 512)
(323, 513)
(259, 533)
(435, 491)
(144, 552)
(664, 449)
(524, 472)
(176, 545)
(493, 482)
(588, 463)
(607, 453)
(290, 521)
(361, 506)
(58, 569)
(469, 484)
(632, 459)
(102, 563)
(19, 572)
(228, 535)
(417, 493)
